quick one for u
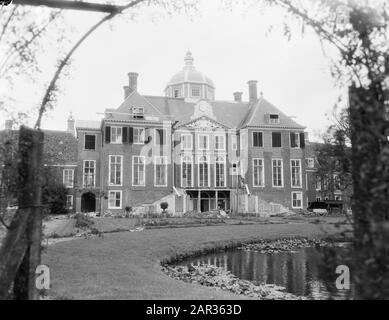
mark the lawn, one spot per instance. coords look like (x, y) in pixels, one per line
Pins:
(126, 265)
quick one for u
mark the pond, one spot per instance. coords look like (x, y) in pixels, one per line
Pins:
(297, 271)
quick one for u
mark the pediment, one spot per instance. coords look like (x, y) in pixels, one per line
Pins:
(204, 123)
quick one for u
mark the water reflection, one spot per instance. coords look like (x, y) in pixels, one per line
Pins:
(299, 271)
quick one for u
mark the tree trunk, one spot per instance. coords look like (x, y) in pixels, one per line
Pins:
(370, 205)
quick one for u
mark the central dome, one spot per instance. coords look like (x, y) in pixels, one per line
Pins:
(190, 83)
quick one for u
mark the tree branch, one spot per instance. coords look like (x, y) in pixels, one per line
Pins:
(52, 86)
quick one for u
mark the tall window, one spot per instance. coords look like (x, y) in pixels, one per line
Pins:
(114, 199)
(90, 142)
(295, 166)
(234, 142)
(89, 173)
(277, 173)
(203, 142)
(176, 93)
(68, 178)
(186, 142)
(116, 134)
(297, 200)
(69, 201)
(115, 170)
(276, 139)
(257, 139)
(220, 142)
(160, 179)
(220, 172)
(187, 172)
(203, 172)
(294, 140)
(318, 183)
(138, 171)
(139, 135)
(258, 173)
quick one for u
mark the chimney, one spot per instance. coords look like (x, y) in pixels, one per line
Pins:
(8, 124)
(133, 82)
(238, 96)
(253, 92)
(71, 122)
(126, 92)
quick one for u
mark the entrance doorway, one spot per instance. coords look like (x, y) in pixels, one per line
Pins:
(88, 202)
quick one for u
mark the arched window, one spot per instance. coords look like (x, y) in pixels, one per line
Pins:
(220, 172)
(187, 172)
(203, 172)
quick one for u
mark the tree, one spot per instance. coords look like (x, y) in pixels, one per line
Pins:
(358, 31)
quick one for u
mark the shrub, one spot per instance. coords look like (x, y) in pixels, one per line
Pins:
(164, 206)
(83, 221)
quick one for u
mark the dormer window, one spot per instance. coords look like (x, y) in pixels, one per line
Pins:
(274, 118)
(138, 112)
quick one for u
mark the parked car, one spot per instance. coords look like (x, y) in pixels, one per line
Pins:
(318, 207)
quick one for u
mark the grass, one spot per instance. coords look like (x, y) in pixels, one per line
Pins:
(127, 265)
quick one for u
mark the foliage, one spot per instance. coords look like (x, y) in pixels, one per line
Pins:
(83, 221)
(164, 206)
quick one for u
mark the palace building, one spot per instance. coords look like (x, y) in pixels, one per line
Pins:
(189, 150)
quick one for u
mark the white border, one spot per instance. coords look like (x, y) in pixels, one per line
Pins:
(144, 172)
(282, 173)
(192, 170)
(302, 199)
(63, 178)
(198, 171)
(121, 199)
(224, 142)
(263, 172)
(155, 171)
(191, 141)
(291, 175)
(224, 162)
(83, 174)
(109, 170)
(198, 142)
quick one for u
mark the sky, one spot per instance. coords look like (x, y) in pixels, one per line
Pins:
(230, 47)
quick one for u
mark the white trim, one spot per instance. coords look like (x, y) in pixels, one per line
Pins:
(282, 173)
(183, 144)
(224, 142)
(263, 172)
(109, 170)
(144, 171)
(198, 142)
(72, 178)
(291, 175)
(71, 201)
(121, 199)
(198, 171)
(298, 140)
(252, 139)
(224, 162)
(302, 200)
(121, 135)
(90, 134)
(164, 162)
(83, 173)
(191, 171)
(144, 135)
